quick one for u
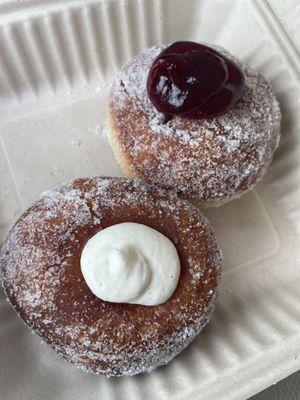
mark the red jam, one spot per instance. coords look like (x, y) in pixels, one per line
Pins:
(193, 80)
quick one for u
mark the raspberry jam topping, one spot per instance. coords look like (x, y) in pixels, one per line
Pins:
(194, 81)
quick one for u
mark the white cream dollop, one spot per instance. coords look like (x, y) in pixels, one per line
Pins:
(131, 263)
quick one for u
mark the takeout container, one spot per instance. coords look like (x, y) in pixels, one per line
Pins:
(57, 60)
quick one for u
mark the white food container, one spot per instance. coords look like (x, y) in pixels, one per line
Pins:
(57, 59)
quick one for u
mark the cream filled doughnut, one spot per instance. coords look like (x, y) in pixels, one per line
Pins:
(47, 254)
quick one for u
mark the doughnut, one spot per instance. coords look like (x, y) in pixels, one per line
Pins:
(43, 280)
(208, 160)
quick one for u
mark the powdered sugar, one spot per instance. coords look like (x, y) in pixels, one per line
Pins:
(208, 159)
(43, 280)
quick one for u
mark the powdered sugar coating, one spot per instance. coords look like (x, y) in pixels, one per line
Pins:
(212, 159)
(40, 263)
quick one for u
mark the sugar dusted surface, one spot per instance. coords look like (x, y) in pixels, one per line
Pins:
(40, 266)
(208, 160)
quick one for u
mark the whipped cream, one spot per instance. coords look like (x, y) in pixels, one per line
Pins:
(131, 263)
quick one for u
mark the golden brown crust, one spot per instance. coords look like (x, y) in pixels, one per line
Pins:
(112, 135)
(128, 171)
(42, 277)
(207, 160)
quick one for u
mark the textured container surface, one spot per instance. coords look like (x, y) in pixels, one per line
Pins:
(57, 60)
